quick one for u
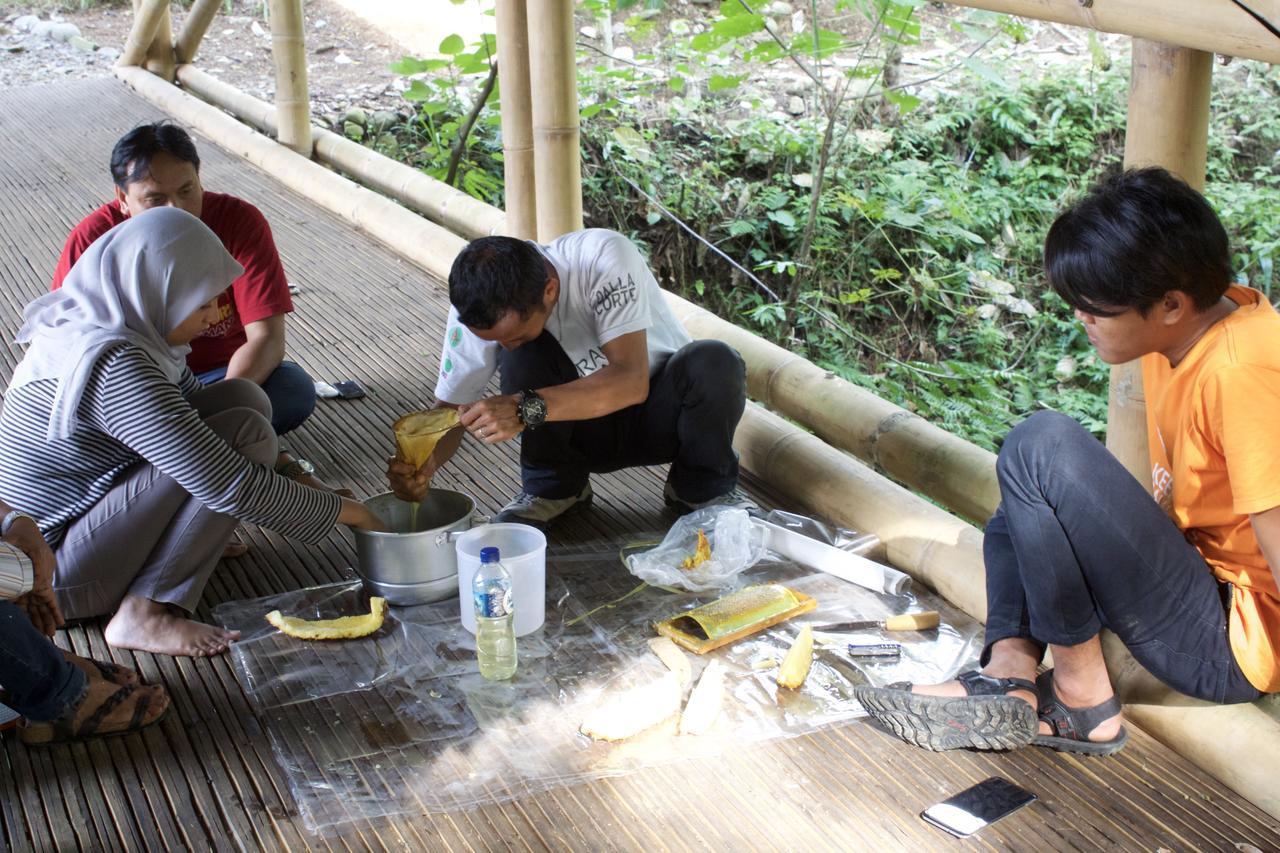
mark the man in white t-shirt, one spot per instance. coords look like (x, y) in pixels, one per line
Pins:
(596, 374)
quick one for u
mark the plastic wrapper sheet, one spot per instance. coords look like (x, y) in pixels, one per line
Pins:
(401, 722)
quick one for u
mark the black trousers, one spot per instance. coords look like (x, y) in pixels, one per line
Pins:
(38, 681)
(695, 402)
(1078, 544)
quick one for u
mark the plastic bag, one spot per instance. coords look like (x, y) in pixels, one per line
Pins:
(736, 544)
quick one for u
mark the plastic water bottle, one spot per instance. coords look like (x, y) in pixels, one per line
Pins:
(495, 621)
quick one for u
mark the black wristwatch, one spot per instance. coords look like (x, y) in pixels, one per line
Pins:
(531, 409)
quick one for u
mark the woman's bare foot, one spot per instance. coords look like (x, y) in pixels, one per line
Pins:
(150, 626)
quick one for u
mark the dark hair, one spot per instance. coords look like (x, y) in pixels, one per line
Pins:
(145, 141)
(494, 275)
(1134, 238)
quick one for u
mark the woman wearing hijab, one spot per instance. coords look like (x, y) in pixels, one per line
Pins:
(136, 474)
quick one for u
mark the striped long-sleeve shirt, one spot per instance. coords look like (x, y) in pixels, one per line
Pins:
(131, 412)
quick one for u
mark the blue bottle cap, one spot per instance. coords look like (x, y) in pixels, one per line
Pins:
(488, 555)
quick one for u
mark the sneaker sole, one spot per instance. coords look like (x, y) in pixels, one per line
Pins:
(941, 723)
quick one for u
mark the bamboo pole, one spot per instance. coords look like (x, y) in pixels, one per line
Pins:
(921, 539)
(288, 48)
(439, 202)
(147, 17)
(930, 460)
(517, 120)
(160, 60)
(1213, 27)
(194, 27)
(425, 243)
(557, 154)
(1168, 126)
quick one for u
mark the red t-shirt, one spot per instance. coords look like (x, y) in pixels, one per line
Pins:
(260, 293)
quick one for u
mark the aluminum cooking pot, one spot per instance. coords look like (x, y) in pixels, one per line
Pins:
(416, 562)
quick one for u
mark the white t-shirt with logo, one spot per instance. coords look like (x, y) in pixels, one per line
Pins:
(606, 291)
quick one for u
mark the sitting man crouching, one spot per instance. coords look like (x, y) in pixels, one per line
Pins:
(596, 375)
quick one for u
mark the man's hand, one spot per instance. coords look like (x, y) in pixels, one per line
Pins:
(493, 419)
(409, 483)
(40, 605)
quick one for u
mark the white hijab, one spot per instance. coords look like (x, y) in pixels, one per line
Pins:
(135, 284)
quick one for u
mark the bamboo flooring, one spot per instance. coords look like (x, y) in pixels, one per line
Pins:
(205, 778)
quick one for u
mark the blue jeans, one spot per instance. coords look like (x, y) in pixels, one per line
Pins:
(290, 389)
(1078, 544)
(38, 681)
(695, 402)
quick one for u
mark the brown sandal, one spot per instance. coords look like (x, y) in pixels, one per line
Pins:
(102, 670)
(104, 710)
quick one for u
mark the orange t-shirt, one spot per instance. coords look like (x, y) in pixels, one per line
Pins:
(1213, 427)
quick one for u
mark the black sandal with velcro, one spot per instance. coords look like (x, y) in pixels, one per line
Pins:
(986, 718)
(1072, 726)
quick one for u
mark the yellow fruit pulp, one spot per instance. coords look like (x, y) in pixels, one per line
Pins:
(700, 554)
(345, 628)
(795, 667)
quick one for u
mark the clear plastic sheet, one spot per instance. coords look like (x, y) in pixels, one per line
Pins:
(401, 722)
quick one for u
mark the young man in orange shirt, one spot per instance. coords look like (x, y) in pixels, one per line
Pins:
(1188, 580)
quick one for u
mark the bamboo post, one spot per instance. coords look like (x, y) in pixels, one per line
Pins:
(160, 61)
(293, 105)
(1224, 27)
(1168, 126)
(517, 120)
(147, 17)
(193, 29)
(439, 202)
(553, 83)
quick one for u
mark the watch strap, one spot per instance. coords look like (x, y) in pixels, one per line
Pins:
(295, 469)
(9, 519)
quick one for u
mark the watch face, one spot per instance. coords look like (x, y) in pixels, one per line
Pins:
(533, 410)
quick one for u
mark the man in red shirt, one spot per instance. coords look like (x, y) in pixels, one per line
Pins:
(156, 165)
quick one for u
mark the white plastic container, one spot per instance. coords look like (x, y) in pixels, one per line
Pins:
(524, 553)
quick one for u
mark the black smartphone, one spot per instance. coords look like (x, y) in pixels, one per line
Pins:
(349, 389)
(973, 808)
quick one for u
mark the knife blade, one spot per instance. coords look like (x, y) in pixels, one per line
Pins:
(922, 621)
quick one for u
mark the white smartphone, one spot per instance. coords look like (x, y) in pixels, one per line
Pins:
(973, 808)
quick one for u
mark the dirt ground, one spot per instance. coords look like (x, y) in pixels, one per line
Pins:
(350, 51)
(348, 57)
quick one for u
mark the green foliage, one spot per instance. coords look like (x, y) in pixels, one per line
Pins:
(923, 280)
(442, 92)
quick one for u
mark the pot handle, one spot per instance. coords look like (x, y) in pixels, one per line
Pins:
(448, 535)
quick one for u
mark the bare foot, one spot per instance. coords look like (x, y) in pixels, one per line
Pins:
(150, 626)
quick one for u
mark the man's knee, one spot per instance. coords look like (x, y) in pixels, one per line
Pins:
(712, 366)
(248, 431)
(1043, 436)
(293, 396)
